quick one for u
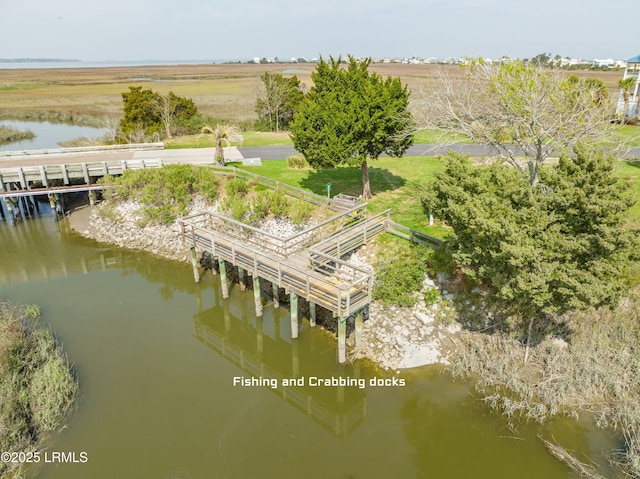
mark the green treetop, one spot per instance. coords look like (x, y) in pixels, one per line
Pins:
(351, 116)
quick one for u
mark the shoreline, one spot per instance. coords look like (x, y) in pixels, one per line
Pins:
(393, 337)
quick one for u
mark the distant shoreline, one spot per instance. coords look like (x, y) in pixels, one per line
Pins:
(37, 60)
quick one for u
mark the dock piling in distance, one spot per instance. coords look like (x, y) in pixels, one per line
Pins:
(276, 295)
(242, 280)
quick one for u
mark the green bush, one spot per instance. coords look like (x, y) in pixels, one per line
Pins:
(236, 186)
(432, 296)
(296, 162)
(167, 192)
(400, 271)
(300, 211)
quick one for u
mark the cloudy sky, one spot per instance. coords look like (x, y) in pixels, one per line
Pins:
(98, 30)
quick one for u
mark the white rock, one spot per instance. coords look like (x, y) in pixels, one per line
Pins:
(425, 319)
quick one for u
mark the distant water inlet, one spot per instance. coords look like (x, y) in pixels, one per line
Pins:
(48, 135)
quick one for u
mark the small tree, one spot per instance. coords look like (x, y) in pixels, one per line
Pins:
(522, 111)
(351, 116)
(222, 136)
(278, 101)
(172, 109)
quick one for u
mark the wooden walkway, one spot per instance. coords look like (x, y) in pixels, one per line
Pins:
(308, 265)
(286, 262)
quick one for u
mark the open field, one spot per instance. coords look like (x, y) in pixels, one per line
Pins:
(226, 91)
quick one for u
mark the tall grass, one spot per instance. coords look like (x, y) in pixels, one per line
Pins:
(37, 385)
(589, 363)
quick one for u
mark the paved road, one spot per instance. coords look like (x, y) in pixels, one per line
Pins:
(207, 155)
(282, 152)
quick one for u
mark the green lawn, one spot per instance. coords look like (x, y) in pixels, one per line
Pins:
(627, 133)
(393, 184)
(630, 172)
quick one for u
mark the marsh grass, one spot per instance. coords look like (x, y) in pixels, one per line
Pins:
(10, 135)
(37, 385)
(586, 363)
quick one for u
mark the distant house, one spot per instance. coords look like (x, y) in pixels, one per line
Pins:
(631, 71)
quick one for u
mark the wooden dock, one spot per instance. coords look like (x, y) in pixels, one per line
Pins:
(306, 265)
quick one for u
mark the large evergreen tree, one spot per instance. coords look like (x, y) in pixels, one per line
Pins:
(351, 116)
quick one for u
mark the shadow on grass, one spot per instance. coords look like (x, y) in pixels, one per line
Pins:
(634, 163)
(348, 180)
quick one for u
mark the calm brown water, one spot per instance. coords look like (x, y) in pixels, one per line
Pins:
(156, 357)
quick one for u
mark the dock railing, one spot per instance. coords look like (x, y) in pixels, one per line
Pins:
(333, 203)
(264, 240)
(322, 287)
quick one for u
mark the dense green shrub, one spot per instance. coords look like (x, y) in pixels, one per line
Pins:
(400, 271)
(296, 162)
(167, 192)
(236, 186)
(300, 211)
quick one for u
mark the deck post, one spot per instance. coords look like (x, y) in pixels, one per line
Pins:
(312, 314)
(92, 197)
(194, 264)
(242, 278)
(256, 295)
(358, 328)
(11, 214)
(276, 295)
(223, 278)
(294, 315)
(342, 340)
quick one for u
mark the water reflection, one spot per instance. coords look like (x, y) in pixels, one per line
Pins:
(258, 347)
(48, 135)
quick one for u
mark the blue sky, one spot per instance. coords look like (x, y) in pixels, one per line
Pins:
(97, 30)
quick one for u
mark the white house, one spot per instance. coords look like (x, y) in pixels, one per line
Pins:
(631, 71)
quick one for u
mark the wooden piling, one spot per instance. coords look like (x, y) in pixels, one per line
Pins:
(12, 216)
(256, 295)
(276, 295)
(342, 340)
(294, 315)
(312, 314)
(194, 264)
(242, 280)
(358, 328)
(223, 278)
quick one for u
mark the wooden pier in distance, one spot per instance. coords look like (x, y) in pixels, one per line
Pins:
(307, 264)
